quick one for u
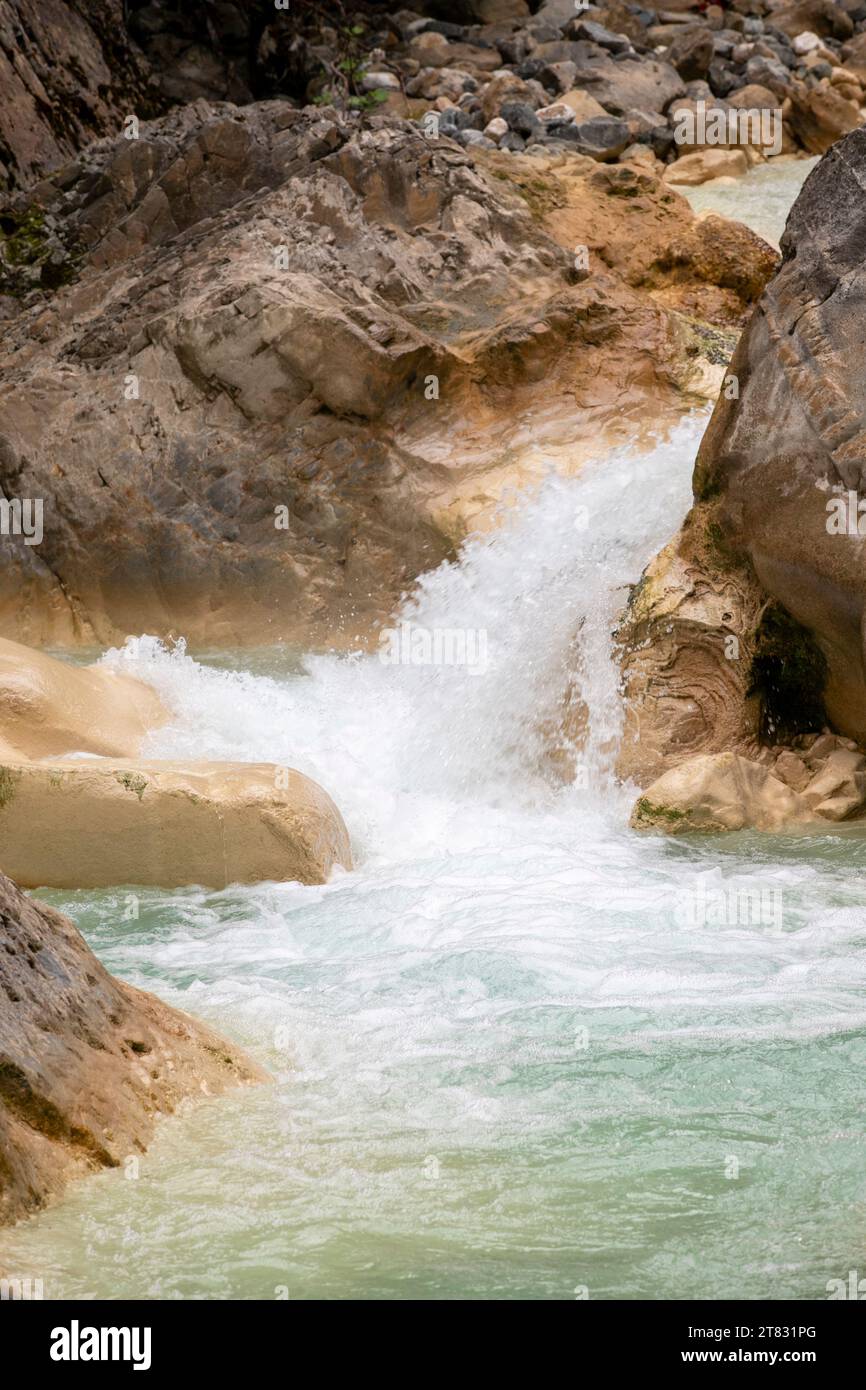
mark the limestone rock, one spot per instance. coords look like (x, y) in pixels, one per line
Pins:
(702, 165)
(293, 344)
(722, 791)
(87, 1063)
(820, 116)
(583, 106)
(49, 708)
(773, 494)
(774, 544)
(97, 823)
(839, 788)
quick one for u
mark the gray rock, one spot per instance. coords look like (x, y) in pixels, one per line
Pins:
(588, 30)
(521, 118)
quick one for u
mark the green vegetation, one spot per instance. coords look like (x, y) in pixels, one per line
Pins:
(28, 245)
(133, 782)
(7, 786)
(648, 811)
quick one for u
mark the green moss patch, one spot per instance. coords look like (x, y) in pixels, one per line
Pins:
(8, 781)
(133, 782)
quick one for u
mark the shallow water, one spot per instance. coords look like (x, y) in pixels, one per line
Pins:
(519, 1052)
(512, 1057)
(762, 198)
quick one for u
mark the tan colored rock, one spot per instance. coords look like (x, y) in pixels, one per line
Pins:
(753, 97)
(584, 106)
(792, 770)
(686, 654)
(715, 792)
(703, 165)
(88, 1064)
(854, 56)
(505, 86)
(49, 708)
(821, 17)
(766, 522)
(93, 824)
(283, 285)
(839, 787)
(820, 116)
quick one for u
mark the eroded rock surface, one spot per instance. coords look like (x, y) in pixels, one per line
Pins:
(297, 357)
(95, 823)
(748, 629)
(87, 1063)
(49, 708)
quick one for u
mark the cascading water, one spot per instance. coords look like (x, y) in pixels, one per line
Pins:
(506, 1063)
(519, 1052)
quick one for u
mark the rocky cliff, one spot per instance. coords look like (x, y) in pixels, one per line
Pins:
(266, 366)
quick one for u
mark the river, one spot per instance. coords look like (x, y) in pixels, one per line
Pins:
(511, 1057)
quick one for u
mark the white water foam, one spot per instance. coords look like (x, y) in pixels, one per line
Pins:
(415, 755)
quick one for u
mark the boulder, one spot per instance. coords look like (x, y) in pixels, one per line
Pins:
(49, 708)
(854, 55)
(583, 106)
(717, 792)
(87, 1063)
(229, 409)
(819, 17)
(620, 84)
(776, 541)
(839, 787)
(753, 97)
(691, 53)
(603, 138)
(702, 165)
(819, 116)
(592, 32)
(95, 824)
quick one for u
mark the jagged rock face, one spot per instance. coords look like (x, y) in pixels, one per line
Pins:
(293, 355)
(87, 1063)
(772, 462)
(68, 73)
(759, 602)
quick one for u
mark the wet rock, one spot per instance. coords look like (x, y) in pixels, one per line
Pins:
(839, 787)
(87, 1063)
(718, 792)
